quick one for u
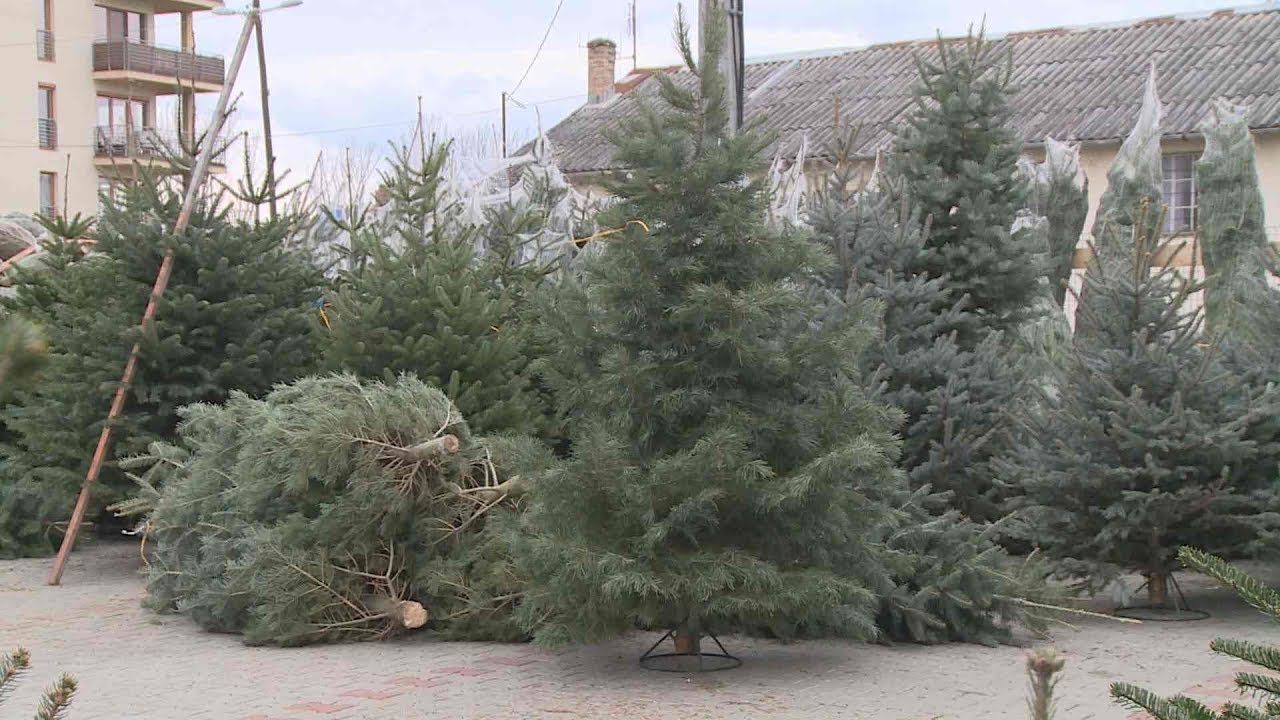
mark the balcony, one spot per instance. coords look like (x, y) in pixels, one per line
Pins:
(172, 6)
(125, 65)
(44, 45)
(47, 132)
(118, 151)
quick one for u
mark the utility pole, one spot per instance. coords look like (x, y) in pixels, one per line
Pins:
(157, 291)
(266, 108)
(732, 61)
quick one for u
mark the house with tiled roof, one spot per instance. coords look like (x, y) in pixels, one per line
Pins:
(1078, 84)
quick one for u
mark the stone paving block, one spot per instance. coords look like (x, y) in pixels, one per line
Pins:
(370, 694)
(322, 708)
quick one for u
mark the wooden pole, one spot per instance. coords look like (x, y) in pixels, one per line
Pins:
(266, 107)
(157, 291)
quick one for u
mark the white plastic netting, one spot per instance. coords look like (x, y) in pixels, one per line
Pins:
(788, 189)
(476, 186)
(1139, 156)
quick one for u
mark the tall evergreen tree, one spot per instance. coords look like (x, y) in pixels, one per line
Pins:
(1230, 222)
(1132, 203)
(949, 578)
(237, 315)
(420, 300)
(727, 463)
(956, 399)
(959, 162)
(1145, 446)
(1059, 193)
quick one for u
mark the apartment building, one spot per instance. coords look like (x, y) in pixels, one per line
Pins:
(88, 94)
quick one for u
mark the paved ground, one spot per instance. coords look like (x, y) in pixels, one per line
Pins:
(133, 664)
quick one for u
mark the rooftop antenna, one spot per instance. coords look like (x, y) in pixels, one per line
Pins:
(635, 45)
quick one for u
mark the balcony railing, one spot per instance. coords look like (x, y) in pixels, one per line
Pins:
(178, 65)
(47, 129)
(146, 143)
(44, 45)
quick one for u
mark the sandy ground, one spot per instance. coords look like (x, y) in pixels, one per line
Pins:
(133, 664)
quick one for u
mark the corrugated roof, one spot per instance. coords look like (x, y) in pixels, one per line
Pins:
(1079, 84)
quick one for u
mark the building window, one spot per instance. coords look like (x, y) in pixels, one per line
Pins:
(46, 118)
(1179, 192)
(111, 24)
(49, 194)
(44, 29)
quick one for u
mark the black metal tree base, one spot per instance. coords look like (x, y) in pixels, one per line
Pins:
(686, 662)
(1178, 612)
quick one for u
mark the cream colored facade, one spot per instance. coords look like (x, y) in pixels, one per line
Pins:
(77, 150)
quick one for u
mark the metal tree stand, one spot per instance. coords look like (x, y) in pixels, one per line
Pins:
(688, 661)
(1180, 612)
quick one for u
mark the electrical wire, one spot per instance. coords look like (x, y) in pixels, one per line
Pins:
(19, 145)
(541, 45)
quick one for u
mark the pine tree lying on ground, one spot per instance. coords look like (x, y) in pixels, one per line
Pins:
(1263, 686)
(337, 510)
(238, 315)
(56, 699)
(1146, 445)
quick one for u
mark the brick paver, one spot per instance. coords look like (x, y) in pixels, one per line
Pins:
(134, 664)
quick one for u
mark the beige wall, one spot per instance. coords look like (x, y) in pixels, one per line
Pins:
(71, 73)
(1095, 160)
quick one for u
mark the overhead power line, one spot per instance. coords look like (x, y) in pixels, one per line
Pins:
(20, 145)
(541, 45)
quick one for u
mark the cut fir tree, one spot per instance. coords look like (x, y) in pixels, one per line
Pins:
(237, 316)
(1144, 448)
(958, 161)
(727, 462)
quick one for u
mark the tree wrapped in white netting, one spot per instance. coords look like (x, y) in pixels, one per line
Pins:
(1133, 193)
(1058, 192)
(1231, 223)
(788, 189)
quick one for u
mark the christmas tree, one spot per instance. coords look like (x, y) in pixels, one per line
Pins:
(1059, 193)
(1267, 657)
(1146, 445)
(335, 510)
(726, 460)
(238, 315)
(1230, 221)
(1130, 204)
(955, 398)
(949, 578)
(959, 164)
(421, 301)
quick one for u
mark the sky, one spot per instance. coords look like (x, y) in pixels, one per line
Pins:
(349, 73)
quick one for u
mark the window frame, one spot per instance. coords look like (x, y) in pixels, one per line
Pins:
(45, 50)
(51, 177)
(1169, 194)
(48, 140)
(102, 22)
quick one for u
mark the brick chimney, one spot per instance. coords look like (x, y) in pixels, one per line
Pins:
(602, 57)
